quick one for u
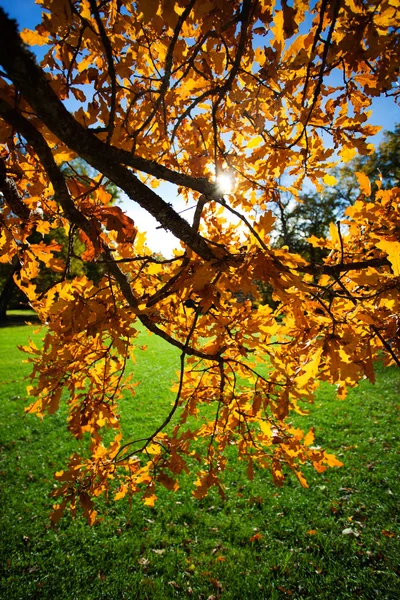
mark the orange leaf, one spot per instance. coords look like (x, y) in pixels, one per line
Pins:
(309, 438)
(256, 537)
(310, 369)
(364, 183)
(392, 249)
(331, 460)
(150, 500)
(34, 38)
(387, 533)
(114, 218)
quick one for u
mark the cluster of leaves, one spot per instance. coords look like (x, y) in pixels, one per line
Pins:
(311, 213)
(184, 91)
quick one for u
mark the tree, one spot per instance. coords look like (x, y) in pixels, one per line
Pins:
(202, 94)
(311, 214)
(381, 166)
(299, 219)
(11, 296)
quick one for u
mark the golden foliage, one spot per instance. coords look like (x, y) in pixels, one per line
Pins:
(184, 91)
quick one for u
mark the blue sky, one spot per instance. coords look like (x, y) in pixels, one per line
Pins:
(385, 113)
(26, 12)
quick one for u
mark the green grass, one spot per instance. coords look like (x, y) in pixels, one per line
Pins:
(186, 548)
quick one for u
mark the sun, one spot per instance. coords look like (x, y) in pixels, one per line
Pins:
(225, 182)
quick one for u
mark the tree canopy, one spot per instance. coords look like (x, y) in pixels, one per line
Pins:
(235, 103)
(296, 222)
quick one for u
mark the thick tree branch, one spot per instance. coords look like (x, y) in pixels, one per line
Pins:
(11, 194)
(57, 116)
(20, 66)
(36, 140)
(315, 269)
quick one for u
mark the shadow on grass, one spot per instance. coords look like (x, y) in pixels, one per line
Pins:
(19, 317)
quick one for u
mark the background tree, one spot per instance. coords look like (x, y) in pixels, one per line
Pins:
(382, 165)
(11, 296)
(312, 213)
(190, 92)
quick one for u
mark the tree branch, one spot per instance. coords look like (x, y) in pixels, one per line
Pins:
(21, 67)
(36, 140)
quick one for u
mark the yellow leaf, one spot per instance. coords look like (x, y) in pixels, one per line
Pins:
(256, 141)
(85, 9)
(333, 232)
(330, 180)
(265, 223)
(34, 38)
(331, 460)
(347, 154)
(364, 183)
(265, 428)
(63, 155)
(121, 492)
(309, 438)
(43, 227)
(277, 30)
(301, 479)
(150, 500)
(392, 249)
(310, 369)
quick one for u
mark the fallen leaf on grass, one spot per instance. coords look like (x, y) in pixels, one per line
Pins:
(255, 538)
(144, 562)
(285, 591)
(350, 531)
(312, 532)
(387, 533)
(158, 551)
(217, 584)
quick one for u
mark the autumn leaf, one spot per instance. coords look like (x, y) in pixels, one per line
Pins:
(392, 249)
(330, 180)
(256, 141)
(255, 538)
(364, 183)
(114, 219)
(150, 500)
(310, 369)
(347, 154)
(265, 223)
(387, 533)
(309, 438)
(35, 38)
(331, 460)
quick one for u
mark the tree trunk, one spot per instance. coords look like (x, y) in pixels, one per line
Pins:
(8, 290)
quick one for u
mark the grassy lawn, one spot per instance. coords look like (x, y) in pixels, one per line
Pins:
(338, 539)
